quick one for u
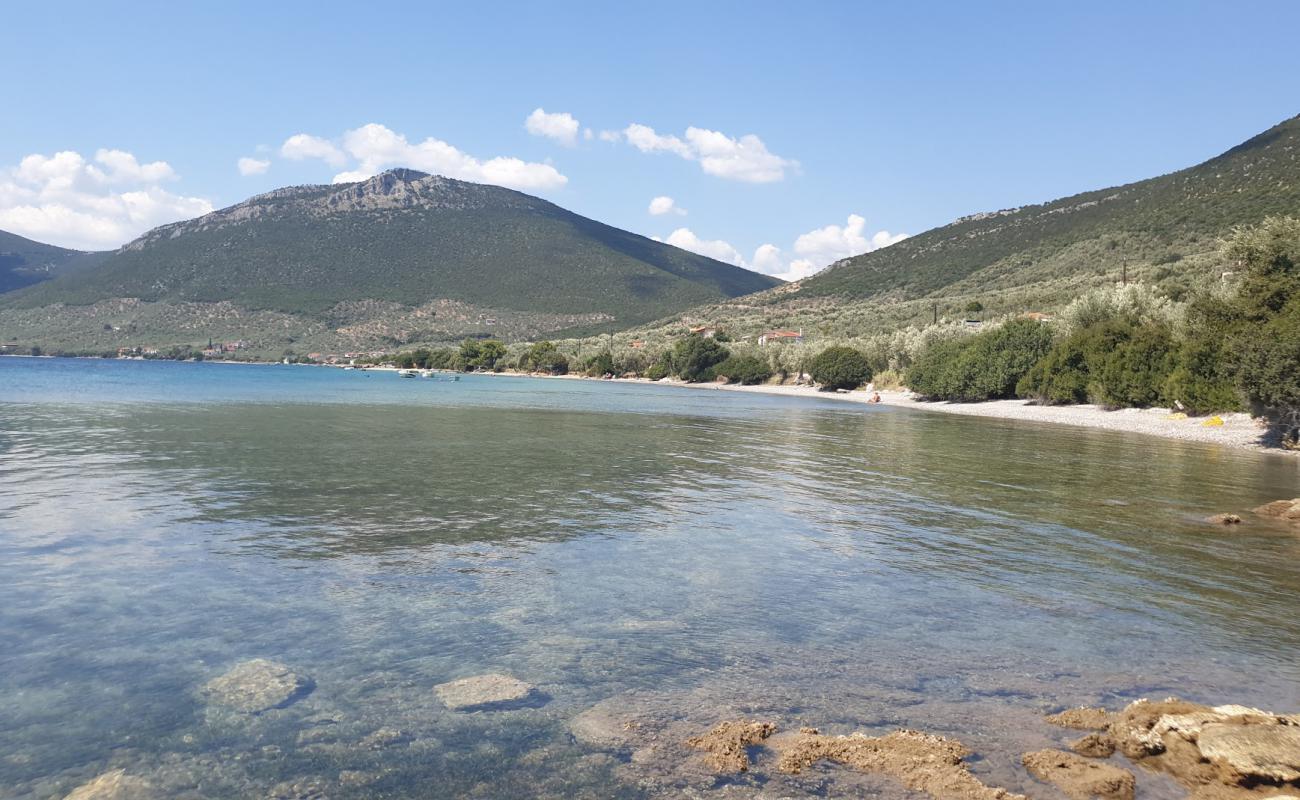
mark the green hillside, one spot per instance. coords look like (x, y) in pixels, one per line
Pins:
(1159, 221)
(407, 238)
(24, 262)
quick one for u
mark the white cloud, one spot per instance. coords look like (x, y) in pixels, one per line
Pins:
(561, 127)
(610, 136)
(373, 148)
(745, 159)
(686, 239)
(67, 200)
(587, 134)
(253, 166)
(665, 205)
(302, 146)
(815, 250)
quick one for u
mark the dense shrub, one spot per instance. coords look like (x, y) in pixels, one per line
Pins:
(1202, 379)
(1115, 363)
(544, 357)
(1134, 373)
(1269, 366)
(986, 366)
(694, 358)
(839, 368)
(599, 365)
(660, 369)
(747, 370)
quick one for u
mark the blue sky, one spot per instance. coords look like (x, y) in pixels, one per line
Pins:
(906, 115)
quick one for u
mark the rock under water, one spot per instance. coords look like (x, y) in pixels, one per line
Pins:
(1080, 778)
(257, 685)
(483, 692)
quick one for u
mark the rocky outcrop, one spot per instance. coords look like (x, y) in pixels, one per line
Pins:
(920, 761)
(257, 685)
(726, 743)
(484, 693)
(1228, 751)
(1095, 745)
(1080, 778)
(1224, 519)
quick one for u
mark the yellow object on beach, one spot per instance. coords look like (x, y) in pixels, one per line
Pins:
(1213, 422)
(1176, 415)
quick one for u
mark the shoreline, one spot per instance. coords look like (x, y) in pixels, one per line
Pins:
(1239, 430)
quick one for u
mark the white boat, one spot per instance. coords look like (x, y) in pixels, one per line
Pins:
(407, 373)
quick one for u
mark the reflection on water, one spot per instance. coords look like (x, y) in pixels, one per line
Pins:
(683, 552)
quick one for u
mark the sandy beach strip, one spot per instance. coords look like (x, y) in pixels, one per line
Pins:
(1237, 430)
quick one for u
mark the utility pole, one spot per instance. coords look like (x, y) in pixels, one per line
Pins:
(936, 313)
(1124, 274)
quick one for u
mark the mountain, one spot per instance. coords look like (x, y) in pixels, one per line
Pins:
(1164, 231)
(1155, 221)
(398, 258)
(24, 262)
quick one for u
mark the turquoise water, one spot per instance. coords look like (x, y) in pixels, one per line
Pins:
(678, 555)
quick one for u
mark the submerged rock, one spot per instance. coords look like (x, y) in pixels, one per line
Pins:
(483, 692)
(1281, 509)
(1080, 778)
(1083, 719)
(920, 761)
(258, 685)
(1224, 519)
(115, 785)
(726, 743)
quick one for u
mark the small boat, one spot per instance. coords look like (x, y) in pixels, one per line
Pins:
(407, 373)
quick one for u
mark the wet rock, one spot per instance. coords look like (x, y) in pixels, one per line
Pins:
(725, 743)
(1224, 519)
(920, 761)
(1224, 752)
(1080, 778)
(484, 692)
(1281, 509)
(115, 785)
(1083, 719)
(1253, 752)
(258, 685)
(1095, 745)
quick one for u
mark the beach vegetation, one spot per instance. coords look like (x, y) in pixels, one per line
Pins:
(839, 367)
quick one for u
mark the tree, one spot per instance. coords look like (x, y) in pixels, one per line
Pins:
(545, 357)
(974, 307)
(839, 367)
(468, 355)
(489, 353)
(694, 357)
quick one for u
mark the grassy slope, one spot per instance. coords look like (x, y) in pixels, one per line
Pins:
(1160, 220)
(24, 262)
(506, 251)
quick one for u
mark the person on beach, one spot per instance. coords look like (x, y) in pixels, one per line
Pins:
(875, 397)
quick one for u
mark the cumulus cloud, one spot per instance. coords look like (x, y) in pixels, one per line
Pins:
(686, 239)
(610, 136)
(253, 166)
(302, 146)
(745, 159)
(90, 204)
(561, 127)
(373, 148)
(665, 205)
(813, 251)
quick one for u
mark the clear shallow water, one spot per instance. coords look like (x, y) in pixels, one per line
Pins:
(687, 553)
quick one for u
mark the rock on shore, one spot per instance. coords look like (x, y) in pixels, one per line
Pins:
(115, 785)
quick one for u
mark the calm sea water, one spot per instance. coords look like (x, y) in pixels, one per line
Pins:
(681, 554)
